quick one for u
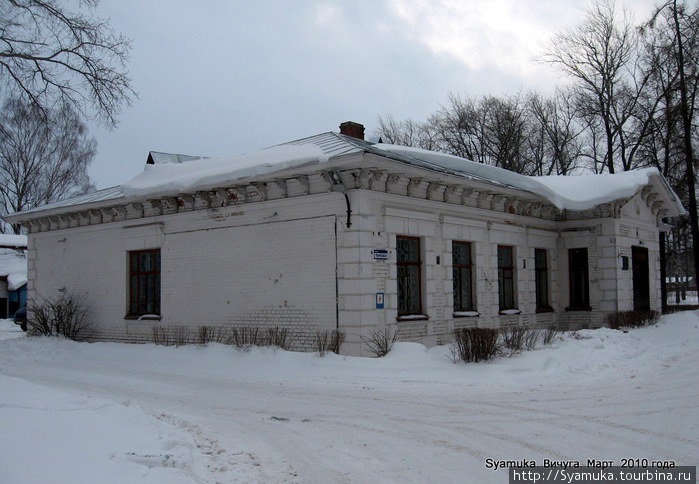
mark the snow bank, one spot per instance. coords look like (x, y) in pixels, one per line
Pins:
(63, 437)
(565, 192)
(204, 174)
(268, 415)
(9, 330)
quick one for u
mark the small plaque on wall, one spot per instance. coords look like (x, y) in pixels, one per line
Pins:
(624, 263)
(379, 300)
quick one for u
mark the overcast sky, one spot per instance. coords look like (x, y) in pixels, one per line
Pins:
(219, 77)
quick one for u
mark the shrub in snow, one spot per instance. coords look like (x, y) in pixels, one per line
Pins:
(241, 337)
(173, 335)
(213, 334)
(329, 341)
(550, 333)
(531, 339)
(380, 342)
(631, 319)
(518, 338)
(66, 316)
(476, 344)
(247, 336)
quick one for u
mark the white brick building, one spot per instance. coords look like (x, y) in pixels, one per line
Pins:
(357, 237)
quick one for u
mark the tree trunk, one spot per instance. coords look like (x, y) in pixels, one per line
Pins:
(688, 152)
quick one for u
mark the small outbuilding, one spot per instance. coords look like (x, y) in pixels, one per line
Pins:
(332, 232)
(13, 274)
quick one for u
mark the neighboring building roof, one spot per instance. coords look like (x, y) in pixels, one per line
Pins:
(13, 268)
(178, 175)
(158, 157)
(12, 241)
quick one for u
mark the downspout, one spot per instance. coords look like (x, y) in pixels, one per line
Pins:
(339, 186)
(337, 283)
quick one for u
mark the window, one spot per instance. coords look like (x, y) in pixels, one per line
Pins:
(541, 280)
(579, 279)
(462, 269)
(506, 279)
(144, 282)
(409, 279)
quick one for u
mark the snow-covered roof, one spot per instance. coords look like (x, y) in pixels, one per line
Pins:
(574, 192)
(13, 267)
(112, 193)
(169, 179)
(585, 191)
(13, 241)
(333, 144)
(186, 176)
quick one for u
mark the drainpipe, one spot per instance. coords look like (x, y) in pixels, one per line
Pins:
(339, 186)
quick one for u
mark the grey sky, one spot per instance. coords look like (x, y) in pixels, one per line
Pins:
(222, 77)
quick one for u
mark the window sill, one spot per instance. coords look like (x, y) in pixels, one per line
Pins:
(143, 317)
(579, 308)
(509, 312)
(412, 317)
(466, 314)
(545, 309)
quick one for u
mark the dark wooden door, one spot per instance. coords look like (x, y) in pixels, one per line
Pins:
(641, 286)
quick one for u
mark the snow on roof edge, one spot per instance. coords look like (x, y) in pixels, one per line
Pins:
(579, 192)
(201, 174)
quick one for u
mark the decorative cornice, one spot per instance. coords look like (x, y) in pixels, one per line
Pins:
(279, 188)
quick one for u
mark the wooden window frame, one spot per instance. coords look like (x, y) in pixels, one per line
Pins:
(541, 275)
(136, 307)
(578, 303)
(458, 300)
(418, 265)
(502, 277)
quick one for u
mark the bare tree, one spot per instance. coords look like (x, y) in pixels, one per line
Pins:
(406, 133)
(506, 129)
(556, 119)
(459, 129)
(51, 57)
(524, 134)
(673, 61)
(44, 156)
(598, 54)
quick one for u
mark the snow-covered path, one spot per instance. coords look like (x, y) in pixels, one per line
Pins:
(266, 416)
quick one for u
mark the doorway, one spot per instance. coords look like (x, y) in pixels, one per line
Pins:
(641, 286)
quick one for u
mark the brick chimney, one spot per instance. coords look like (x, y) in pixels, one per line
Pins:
(350, 128)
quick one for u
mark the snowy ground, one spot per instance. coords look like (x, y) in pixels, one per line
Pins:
(691, 297)
(104, 412)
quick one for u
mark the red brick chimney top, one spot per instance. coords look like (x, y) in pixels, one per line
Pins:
(350, 128)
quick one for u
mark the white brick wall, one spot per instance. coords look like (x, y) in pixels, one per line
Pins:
(439, 224)
(251, 267)
(273, 264)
